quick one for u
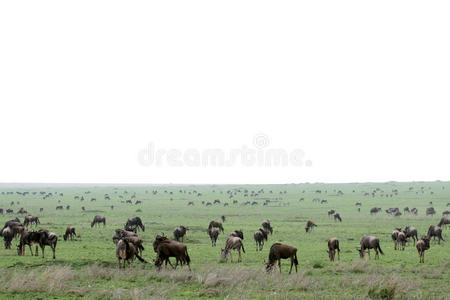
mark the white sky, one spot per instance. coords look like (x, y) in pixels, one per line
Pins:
(361, 87)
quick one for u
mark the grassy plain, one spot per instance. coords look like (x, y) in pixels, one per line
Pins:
(87, 268)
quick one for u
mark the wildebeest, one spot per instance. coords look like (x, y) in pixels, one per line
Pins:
(260, 236)
(358, 203)
(42, 238)
(126, 251)
(414, 211)
(333, 245)
(280, 251)
(369, 242)
(70, 233)
(223, 217)
(443, 222)
(59, 207)
(401, 240)
(41, 209)
(179, 233)
(8, 235)
(435, 231)
(375, 210)
(337, 217)
(190, 203)
(411, 231)
(233, 243)
(97, 220)
(120, 234)
(309, 226)
(267, 226)
(166, 248)
(30, 220)
(430, 211)
(394, 236)
(422, 245)
(134, 223)
(216, 224)
(213, 234)
(238, 233)
(9, 211)
(331, 212)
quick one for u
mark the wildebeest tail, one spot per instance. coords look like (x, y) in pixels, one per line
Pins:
(379, 249)
(295, 258)
(440, 236)
(188, 259)
(140, 258)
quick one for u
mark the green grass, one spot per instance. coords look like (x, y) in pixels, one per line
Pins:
(87, 268)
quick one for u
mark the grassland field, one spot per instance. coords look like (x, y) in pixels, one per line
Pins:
(87, 267)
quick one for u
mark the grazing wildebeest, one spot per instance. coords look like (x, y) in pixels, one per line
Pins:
(223, 218)
(30, 220)
(446, 213)
(233, 243)
(333, 245)
(213, 234)
(406, 210)
(358, 203)
(337, 217)
(166, 248)
(120, 234)
(208, 203)
(430, 211)
(179, 233)
(266, 226)
(97, 220)
(59, 207)
(260, 236)
(280, 251)
(422, 245)
(70, 233)
(375, 210)
(309, 226)
(369, 242)
(134, 224)
(190, 203)
(331, 212)
(67, 207)
(435, 231)
(216, 224)
(411, 231)
(22, 211)
(9, 211)
(8, 236)
(126, 251)
(394, 236)
(444, 222)
(217, 201)
(414, 211)
(238, 233)
(401, 240)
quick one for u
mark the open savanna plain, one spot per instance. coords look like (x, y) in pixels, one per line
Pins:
(87, 267)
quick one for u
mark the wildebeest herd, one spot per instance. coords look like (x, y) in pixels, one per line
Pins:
(129, 246)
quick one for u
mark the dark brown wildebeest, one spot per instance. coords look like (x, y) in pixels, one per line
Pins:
(422, 245)
(401, 240)
(42, 238)
(166, 248)
(333, 245)
(435, 231)
(208, 203)
(9, 211)
(260, 236)
(191, 203)
(443, 222)
(414, 211)
(120, 234)
(309, 226)
(223, 218)
(70, 233)
(41, 209)
(430, 211)
(138, 202)
(358, 203)
(233, 243)
(179, 233)
(267, 226)
(59, 207)
(337, 217)
(331, 212)
(97, 220)
(446, 213)
(83, 208)
(217, 201)
(237, 233)
(216, 224)
(22, 211)
(369, 242)
(30, 220)
(213, 234)
(406, 210)
(375, 210)
(394, 236)
(67, 207)
(8, 236)
(323, 201)
(126, 251)
(411, 231)
(134, 223)
(280, 251)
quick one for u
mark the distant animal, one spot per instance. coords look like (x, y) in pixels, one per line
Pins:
(238, 233)
(430, 211)
(260, 236)
(435, 231)
(422, 245)
(41, 209)
(134, 224)
(59, 207)
(411, 231)
(213, 234)
(331, 212)
(126, 251)
(446, 213)
(333, 246)
(267, 226)
(223, 217)
(337, 217)
(179, 233)
(216, 224)
(369, 242)
(190, 203)
(30, 220)
(444, 222)
(414, 211)
(97, 220)
(70, 233)
(233, 243)
(375, 210)
(358, 203)
(67, 207)
(309, 226)
(280, 251)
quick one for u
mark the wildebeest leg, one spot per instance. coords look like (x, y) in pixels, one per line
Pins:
(42, 248)
(53, 249)
(279, 264)
(292, 262)
(339, 254)
(119, 262)
(31, 249)
(239, 258)
(376, 254)
(231, 256)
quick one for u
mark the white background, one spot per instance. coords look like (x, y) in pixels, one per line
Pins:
(362, 87)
